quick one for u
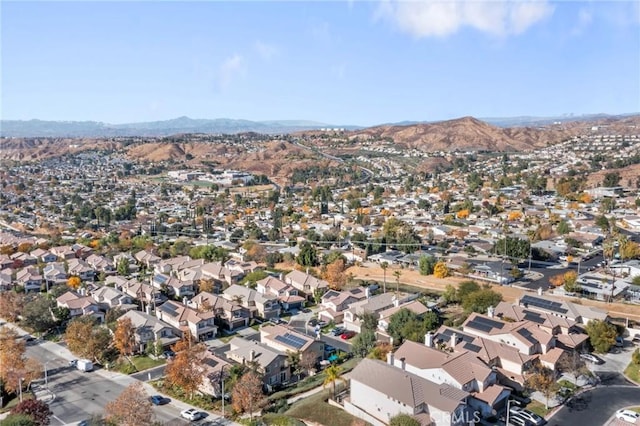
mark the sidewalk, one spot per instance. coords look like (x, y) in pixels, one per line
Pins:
(115, 376)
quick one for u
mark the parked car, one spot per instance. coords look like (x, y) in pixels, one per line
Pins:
(591, 358)
(191, 414)
(515, 420)
(73, 363)
(619, 341)
(347, 335)
(323, 323)
(337, 331)
(159, 400)
(530, 416)
(636, 339)
(168, 354)
(628, 416)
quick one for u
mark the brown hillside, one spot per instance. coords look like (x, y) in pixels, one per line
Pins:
(464, 134)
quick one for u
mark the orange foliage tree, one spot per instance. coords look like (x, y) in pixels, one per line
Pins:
(247, 393)
(335, 275)
(184, 371)
(124, 338)
(74, 282)
(131, 408)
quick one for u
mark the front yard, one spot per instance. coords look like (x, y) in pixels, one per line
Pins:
(316, 409)
(140, 363)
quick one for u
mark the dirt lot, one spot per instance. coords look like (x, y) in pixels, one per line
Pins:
(509, 294)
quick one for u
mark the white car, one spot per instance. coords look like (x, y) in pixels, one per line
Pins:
(192, 414)
(529, 416)
(590, 358)
(628, 416)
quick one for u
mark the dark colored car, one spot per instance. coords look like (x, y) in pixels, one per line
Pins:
(168, 354)
(159, 400)
(337, 331)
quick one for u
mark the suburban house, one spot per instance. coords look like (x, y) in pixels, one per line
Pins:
(173, 285)
(110, 298)
(146, 258)
(229, 315)
(63, 252)
(305, 283)
(286, 294)
(373, 305)
(509, 362)
(414, 306)
(80, 305)
(581, 314)
(334, 303)
(44, 256)
(139, 291)
(286, 340)
(29, 278)
(380, 391)
(54, 273)
(212, 368)
(260, 305)
(200, 324)
(149, 330)
(526, 336)
(131, 262)
(271, 363)
(100, 264)
(463, 370)
(220, 274)
(80, 268)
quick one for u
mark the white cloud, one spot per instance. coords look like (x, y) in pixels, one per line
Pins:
(232, 67)
(265, 50)
(441, 18)
(585, 17)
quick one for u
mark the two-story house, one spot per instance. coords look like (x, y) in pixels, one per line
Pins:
(271, 363)
(110, 298)
(81, 268)
(373, 305)
(379, 391)
(463, 370)
(44, 256)
(229, 315)
(29, 278)
(334, 303)
(200, 324)
(80, 305)
(100, 264)
(54, 274)
(63, 252)
(286, 340)
(286, 294)
(148, 259)
(149, 330)
(260, 305)
(305, 283)
(140, 291)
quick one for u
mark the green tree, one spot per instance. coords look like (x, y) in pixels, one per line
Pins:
(363, 343)
(308, 255)
(602, 335)
(123, 267)
(384, 266)
(407, 325)
(450, 294)
(465, 288)
(480, 300)
(403, 420)
(426, 264)
(563, 227)
(38, 315)
(18, 420)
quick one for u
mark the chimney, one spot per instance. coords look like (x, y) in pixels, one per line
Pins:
(403, 364)
(281, 276)
(367, 292)
(396, 301)
(148, 309)
(307, 270)
(428, 339)
(491, 311)
(390, 359)
(252, 355)
(539, 291)
(517, 302)
(454, 340)
(184, 300)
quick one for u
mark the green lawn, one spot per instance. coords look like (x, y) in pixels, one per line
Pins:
(538, 408)
(633, 372)
(315, 408)
(567, 384)
(140, 363)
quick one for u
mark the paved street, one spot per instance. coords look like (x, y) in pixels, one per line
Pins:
(595, 407)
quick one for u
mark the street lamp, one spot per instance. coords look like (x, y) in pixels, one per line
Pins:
(222, 386)
(509, 401)
(46, 377)
(20, 386)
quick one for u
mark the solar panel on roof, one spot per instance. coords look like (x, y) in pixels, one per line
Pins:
(530, 316)
(489, 322)
(471, 347)
(170, 309)
(544, 304)
(160, 279)
(291, 340)
(479, 326)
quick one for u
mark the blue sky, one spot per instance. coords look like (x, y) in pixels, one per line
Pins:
(339, 62)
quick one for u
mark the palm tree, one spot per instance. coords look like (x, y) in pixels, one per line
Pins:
(397, 274)
(332, 374)
(384, 266)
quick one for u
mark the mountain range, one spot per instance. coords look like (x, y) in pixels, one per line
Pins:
(180, 125)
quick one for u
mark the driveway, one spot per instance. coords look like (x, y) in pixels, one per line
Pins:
(614, 362)
(596, 407)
